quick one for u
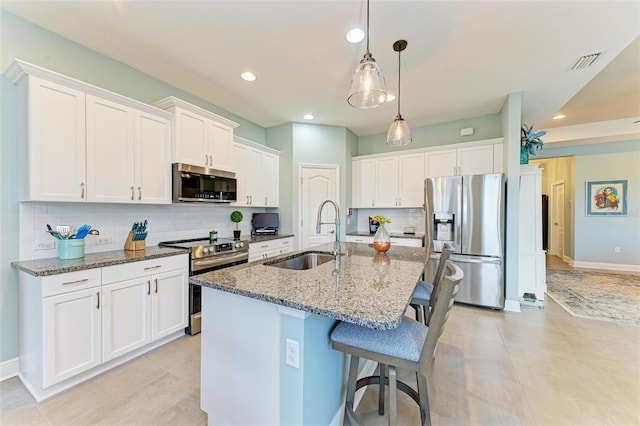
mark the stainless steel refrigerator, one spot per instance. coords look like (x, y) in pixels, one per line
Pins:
(467, 212)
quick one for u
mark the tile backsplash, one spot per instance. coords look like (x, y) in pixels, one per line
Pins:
(399, 219)
(166, 222)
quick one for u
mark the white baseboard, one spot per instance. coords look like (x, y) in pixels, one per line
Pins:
(512, 305)
(608, 266)
(9, 369)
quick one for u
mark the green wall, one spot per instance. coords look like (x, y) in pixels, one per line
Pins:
(485, 127)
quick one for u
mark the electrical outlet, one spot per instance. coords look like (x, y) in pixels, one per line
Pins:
(617, 249)
(292, 353)
(103, 240)
(46, 245)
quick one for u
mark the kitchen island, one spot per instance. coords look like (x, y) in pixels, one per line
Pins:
(266, 355)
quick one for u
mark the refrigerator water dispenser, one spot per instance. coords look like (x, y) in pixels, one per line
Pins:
(443, 225)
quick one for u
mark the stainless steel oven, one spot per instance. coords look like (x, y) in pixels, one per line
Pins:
(208, 256)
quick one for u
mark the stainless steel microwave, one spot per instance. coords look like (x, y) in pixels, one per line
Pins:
(195, 183)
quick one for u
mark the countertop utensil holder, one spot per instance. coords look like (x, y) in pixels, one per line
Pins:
(134, 245)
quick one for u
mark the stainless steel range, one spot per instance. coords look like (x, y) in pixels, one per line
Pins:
(208, 256)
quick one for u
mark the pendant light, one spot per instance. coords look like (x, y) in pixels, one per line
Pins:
(368, 88)
(399, 132)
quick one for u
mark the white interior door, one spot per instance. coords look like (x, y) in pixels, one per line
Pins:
(317, 183)
(557, 219)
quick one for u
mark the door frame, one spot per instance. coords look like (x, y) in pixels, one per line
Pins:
(552, 213)
(301, 167)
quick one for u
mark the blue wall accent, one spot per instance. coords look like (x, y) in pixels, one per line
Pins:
(311, 394)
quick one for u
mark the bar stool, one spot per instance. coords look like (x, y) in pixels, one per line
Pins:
(421, 298)
(411, 346)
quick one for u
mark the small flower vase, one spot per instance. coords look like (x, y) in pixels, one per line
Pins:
(382, 240)
(524, 155)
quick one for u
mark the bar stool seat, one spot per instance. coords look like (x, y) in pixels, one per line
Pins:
(410, 346)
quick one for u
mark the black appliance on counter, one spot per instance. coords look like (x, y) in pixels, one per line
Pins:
(206, 256)
(265, 223)
(373, 225)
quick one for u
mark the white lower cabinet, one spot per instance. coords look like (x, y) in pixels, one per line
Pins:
(72, 331)
(127, 316)
(145, 308)
(266, 249)
(73, 322)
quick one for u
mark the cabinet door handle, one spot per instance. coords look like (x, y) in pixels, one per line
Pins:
(250, 199)
(132, 192)
(211, 160)
(139, 193)
(156, 286)
(206, 160)
(265, 201)
(98, 296)
(247, 199)
(82, 190)
(373, 202)
(399, 202)
(148, 287)
(152, 267)
(81, 281)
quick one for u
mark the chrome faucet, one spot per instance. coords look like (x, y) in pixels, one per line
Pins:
(336, 244)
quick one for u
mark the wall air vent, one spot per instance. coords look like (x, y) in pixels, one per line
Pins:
(585, 61)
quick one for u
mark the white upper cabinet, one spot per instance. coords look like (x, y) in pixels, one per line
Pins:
(411, 180)
(257, 174)
(476, 160)
(200, 137)
(389, 181)
(441, 163)
(82, 143)
(397, 180)
(469, 160)
(52, 142)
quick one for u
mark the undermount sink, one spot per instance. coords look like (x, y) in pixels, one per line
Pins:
(303, 261)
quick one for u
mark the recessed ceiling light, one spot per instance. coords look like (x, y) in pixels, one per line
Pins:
(559, 116)
(390, 97)
(248, 76)
(308, 116)
(355, 35)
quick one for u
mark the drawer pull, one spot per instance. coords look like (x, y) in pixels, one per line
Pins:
(156, 286)
(98, 296)
(76, 281)
(152, 267)
(264, 246)
(148, 287)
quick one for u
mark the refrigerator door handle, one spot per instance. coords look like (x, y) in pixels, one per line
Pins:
(468, 259)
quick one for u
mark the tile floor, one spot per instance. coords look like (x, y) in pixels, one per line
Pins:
(538, 367)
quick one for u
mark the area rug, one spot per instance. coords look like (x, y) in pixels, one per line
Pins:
(598, 295)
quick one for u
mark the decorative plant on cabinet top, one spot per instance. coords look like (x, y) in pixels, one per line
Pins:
(530, 142)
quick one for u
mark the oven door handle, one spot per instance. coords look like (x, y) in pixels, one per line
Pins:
(220, 260)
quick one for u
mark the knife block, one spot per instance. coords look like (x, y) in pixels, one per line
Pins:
(132, 245)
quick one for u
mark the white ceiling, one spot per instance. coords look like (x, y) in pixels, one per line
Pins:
(462, 58)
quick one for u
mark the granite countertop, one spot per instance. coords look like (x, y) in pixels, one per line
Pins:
(53, 265)
(362, 287)
(416, 236)
(262, 238)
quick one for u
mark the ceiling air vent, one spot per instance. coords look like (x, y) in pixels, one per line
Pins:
(585, 61)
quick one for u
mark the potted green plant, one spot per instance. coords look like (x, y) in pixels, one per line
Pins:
(236, 217)
(530, 142)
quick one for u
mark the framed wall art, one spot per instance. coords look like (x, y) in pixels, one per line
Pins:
(607, 198)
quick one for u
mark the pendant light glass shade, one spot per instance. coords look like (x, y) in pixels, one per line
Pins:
(399, 132)
(368, 88)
